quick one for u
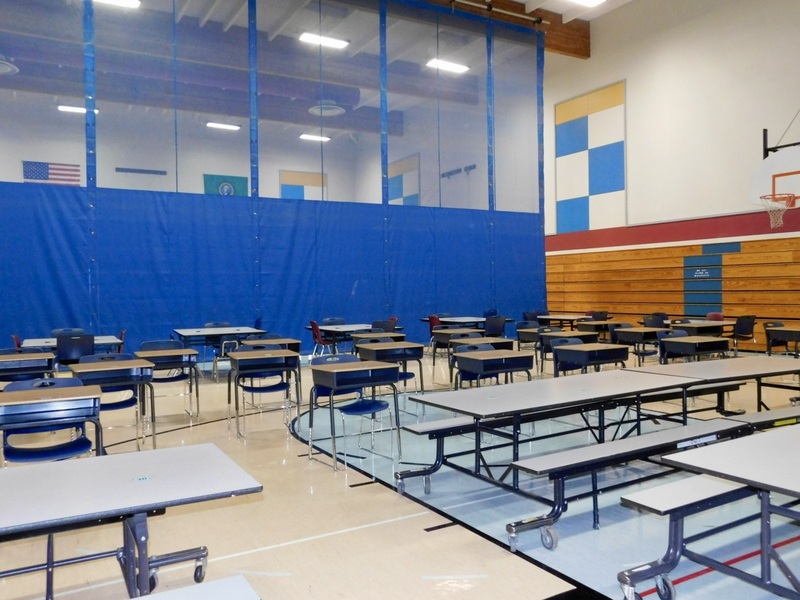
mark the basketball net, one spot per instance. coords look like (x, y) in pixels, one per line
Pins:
(776, 205)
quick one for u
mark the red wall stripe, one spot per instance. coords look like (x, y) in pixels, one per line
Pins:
(756, 223)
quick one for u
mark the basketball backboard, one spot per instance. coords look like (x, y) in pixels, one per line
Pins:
(779, 173)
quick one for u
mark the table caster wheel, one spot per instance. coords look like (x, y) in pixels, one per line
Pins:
(199, 573)
(426, 484)
(153, 580)
(512, 542)
(665, 588)
(401, 486)
(549, 538)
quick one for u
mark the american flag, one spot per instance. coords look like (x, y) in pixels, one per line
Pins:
(47, 172)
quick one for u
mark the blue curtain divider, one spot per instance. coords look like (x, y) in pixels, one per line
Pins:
(165, 260)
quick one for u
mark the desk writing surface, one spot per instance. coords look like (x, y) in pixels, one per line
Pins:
(592, 347)
(51, 342)
(726, 369)
(456, 330)
(694, 339)
(360, 365)
(494, 354)
(217, 330)
(45, 394)
(390, 345)
(546, 394)
(166, 352)
(67, 492)
(347, 328)
(26, 357)
(258, 354)
(110, 365)
(763, 460)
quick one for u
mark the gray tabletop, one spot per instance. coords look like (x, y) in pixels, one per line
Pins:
(762, 460)
(116, 484)
(546, 394)
(727, 369)
(235, 588)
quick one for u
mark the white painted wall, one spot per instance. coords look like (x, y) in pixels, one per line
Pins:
(703, 79)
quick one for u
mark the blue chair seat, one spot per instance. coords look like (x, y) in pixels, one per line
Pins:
(80, 445)
(363, 406)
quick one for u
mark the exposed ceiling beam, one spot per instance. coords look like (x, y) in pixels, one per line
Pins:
(235, 16)
(569, 39)
(284, 19)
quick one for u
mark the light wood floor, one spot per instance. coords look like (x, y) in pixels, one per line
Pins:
(312, 533)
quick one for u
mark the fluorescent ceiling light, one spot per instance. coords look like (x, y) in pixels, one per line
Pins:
(74, 109)
(444, 65)
(321, 40)
(314, 138)
(122, 3)
(588, 3)
(224, 126)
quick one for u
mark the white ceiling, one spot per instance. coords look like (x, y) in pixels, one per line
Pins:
(569, 10)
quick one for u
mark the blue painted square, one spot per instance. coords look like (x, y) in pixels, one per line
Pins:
(707, 260)
(293, 192)
(607, 168)
(411, 200)
(703, 298)
(572, 136)
(703, 285)
(395, 187)
(726, 248)
(572, 215)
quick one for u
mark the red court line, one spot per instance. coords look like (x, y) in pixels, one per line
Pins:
(729, 562)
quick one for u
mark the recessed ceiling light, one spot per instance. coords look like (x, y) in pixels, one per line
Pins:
(321, 40)
(74, 109)
(121, 3)
(326, 108)
(224, 126)
(588, 3)
(314, 138)
(444, 65)
(7, 67)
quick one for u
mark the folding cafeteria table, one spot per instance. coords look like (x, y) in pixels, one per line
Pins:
(127, 488)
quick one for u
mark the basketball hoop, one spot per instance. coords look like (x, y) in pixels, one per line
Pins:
(776, 205)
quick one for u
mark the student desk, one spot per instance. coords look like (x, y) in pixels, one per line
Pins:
(461, 321)
(53, 406)
(591, 355)
(136, 372)
(26, 364)
(127, 488)
(258, 364)
(596, 326)
(544, 339)
(639, 338)
(205, 336)
(561, 320)
(488, 363)
(703, 327)
(443, 336)
(783, 334)
(732, 369)
(395, 336)
(763, 461)
(351, 376)
(394, 352)
(341, 333)
(177, 359)
(50, 343)
(288, 343)
(694, 346)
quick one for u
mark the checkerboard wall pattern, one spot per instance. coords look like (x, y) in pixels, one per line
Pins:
(590, 161)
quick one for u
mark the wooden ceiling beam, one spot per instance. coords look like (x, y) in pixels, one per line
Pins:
(570, 39)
